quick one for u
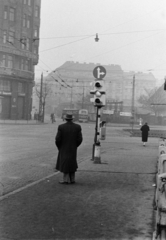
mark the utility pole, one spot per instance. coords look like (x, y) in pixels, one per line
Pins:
(40, 99)
(71, 97)
(132, 103)
(83, 98)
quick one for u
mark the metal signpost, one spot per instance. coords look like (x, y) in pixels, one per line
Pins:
(99, 73)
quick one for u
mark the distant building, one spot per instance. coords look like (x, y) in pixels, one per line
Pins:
(119, 84)
(19, 43)
(143, 82)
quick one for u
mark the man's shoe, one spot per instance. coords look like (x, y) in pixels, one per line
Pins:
(72, 182)
(62, 182)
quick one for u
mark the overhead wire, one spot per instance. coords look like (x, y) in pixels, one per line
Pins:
(125, 45)
(21, 39)
(120, 33)
(112, 51)
(132, 19)
(102, 34)
(88, 36)
(52, 76)
(65, 44)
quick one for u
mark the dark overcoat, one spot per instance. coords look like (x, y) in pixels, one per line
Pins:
(67, 140)
(145, 130)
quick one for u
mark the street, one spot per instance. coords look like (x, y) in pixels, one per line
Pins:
(28, 153)
(114, 198)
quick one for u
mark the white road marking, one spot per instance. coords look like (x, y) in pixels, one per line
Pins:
(27, 186)
(13, 177)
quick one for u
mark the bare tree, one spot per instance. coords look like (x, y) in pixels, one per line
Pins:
(42, 92)
(154, 100)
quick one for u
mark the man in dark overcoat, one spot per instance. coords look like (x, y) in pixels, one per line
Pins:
(145, 131)
(67, 140)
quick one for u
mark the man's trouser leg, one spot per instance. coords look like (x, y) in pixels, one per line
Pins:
(72, 177)
(66, 177)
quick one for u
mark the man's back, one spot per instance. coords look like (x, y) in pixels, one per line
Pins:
(68, 138)
(69, 133)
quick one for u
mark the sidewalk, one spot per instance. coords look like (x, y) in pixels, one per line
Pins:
(26, 122)
(6, 121)
(111, 200)
(30, 121)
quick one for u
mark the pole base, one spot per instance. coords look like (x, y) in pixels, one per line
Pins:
(97, 158)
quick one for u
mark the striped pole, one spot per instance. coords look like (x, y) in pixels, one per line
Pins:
(97, 146)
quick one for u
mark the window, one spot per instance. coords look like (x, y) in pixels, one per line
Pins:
(29, 2)
(35, 32)
(5, 12)
(5, 85)
(11, 14)
(23, 41)
(36, 11)
(10, 61)
(35, 50)
(27, 44)
(28, 23)
(1, 85)
(21, 87)
(22, 64)
(4, 36)
(26, 65)
(24, 21)
(11, 37)
(23, 45)
(4, 61)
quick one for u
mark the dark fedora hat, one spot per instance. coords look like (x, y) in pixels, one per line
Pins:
(69, 117)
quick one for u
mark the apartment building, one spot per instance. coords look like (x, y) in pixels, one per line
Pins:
(119, 84)
(19, 44)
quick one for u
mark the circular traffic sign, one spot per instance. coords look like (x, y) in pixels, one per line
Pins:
(99, 72)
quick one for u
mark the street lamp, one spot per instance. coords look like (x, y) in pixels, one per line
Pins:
(71, 99)
(96, 38)
(132, 103)
(83, 98)
(40, 100)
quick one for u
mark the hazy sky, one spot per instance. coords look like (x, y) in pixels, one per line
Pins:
(132, 34)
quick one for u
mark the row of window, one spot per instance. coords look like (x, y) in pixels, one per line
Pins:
(10, 12)
(27, 2)
(26, 43)
(5, 86)
(27, 19)
(8, 61)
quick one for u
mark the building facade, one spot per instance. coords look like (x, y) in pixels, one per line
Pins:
(119, 85)
(19, 43)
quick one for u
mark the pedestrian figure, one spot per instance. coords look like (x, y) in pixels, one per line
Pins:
(52, 117)
(67, 140)
(140, 122)
(145, 130)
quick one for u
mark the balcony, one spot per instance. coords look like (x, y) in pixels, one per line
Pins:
(19, 52)
(16, 73)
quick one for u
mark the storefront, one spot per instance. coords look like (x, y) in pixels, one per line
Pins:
(15, 98)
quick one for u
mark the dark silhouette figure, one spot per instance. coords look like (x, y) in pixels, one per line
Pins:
(52, 117)
(145, 131)
(67, 140)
